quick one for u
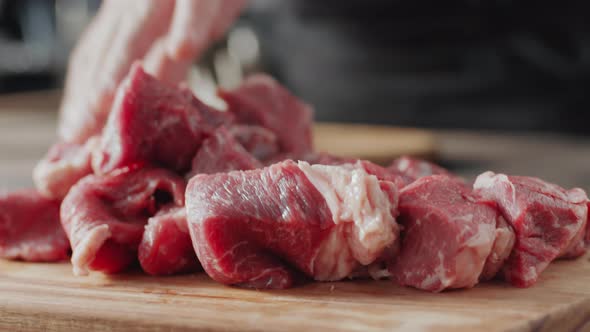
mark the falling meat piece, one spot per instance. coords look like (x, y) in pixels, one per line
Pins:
(262, 101)
(154, 123)
(447, 235)
(63, 166)
(104, 217)
(548, 222)
(222, 153)
(250, 228)
(30, 228)
(166, 246)
(258, 141)
(413, 169)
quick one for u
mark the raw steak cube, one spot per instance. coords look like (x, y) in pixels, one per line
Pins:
(104, 217)
(222, 153)
(262, 101)
(413, 169)
(326, 221)
(166, 246)
(258, 141)
(548, 221)
(447, 235)
(63, 166)
(30, 228)
(154, 123)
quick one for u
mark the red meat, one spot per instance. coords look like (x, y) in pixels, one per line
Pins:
(104, 217)
(548, 221)
(166, 246)
(260, 142)
(63, 166)
(413, 169)
(447, 235)
(222, 153)
(154, 123)
(30, 228)
(262, 101)
(247, 226)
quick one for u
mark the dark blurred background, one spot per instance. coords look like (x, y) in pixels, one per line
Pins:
(508, 65)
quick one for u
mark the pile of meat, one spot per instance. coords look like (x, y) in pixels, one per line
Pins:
(177, 186)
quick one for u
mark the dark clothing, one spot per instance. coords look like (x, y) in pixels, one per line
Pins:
(473, 64)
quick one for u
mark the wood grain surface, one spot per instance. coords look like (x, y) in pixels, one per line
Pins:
(47, 297)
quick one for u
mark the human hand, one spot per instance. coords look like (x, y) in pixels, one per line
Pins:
(166, 34)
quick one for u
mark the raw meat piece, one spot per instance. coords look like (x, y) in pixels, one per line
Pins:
(222, 153)
(63, 166)
(30, 228)
(166, 246)
(413, 169)
(548, 221)
(154, 123)
(258, 141)
(504, 239)
(447, 235)
(382, 173)
(104, 217)
(262, 101)
(326, 221)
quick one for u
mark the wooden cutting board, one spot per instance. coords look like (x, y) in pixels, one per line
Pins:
(47, 297)
(379, 144)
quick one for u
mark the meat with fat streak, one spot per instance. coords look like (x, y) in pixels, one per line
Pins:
(253, 228)
(548, 222)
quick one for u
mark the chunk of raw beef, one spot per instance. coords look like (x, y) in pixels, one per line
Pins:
(222, 153)
(258, 141)
(251, 228)
(104, 217)
(154, 123)
(63, 166)
(547, 220)
(166, 246)
(447, 235)
(262, 101)
(30, 228)
(413, 169)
